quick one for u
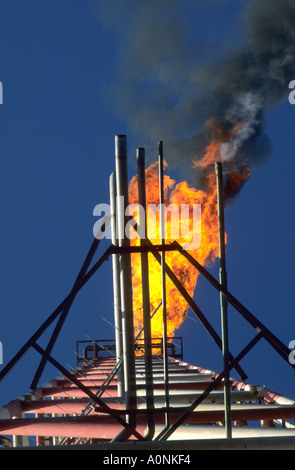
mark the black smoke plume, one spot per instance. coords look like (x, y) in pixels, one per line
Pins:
(170, 88)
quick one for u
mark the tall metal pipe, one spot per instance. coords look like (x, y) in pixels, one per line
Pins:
(145, 293)
(223, 299)
(125, 279)
(116, 284)
(163, 276)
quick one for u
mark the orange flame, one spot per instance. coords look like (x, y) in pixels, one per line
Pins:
(181, 193)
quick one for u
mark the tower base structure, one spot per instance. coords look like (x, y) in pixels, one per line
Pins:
(61, 415)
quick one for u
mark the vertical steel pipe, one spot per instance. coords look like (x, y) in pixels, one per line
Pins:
(20, 440)
(125, 279)
(116, 284)
(145, 292)
(163, 276)
(223, 299)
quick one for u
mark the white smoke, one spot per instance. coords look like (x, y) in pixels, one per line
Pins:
(244, 114)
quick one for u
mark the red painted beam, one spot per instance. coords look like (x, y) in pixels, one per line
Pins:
(61, 427)
(58, 406)
(69, 392)
(104, 427)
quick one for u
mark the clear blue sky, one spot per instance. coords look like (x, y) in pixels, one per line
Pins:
(58, 124)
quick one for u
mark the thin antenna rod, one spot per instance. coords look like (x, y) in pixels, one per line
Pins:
(163, 278)
(145, 293)
(223, 299)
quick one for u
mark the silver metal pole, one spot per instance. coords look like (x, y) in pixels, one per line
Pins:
(116, 285)
(125, 278)
(223, 299)
(145, 294)
(163, 278)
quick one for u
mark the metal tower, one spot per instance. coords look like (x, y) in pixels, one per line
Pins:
(133, 394)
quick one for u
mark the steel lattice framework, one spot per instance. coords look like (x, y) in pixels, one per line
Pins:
(141, 395)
